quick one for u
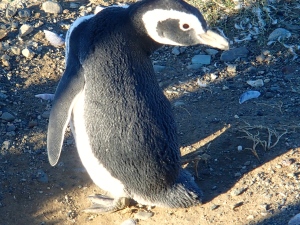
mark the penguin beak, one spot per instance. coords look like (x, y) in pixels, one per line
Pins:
(214, 40)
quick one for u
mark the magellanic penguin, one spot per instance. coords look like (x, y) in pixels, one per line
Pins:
(123, 125)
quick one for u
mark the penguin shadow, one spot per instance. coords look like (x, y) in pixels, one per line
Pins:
(209, 131)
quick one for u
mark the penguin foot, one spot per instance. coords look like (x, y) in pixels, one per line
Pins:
(103, 204)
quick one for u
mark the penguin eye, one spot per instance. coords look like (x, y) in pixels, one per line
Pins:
(185, 26)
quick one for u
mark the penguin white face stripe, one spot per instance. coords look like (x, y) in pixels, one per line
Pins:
(186, 22)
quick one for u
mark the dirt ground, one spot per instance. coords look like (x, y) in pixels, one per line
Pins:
(247, 160)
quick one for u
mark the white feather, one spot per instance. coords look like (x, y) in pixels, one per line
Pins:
(45, 96)
(248, 95)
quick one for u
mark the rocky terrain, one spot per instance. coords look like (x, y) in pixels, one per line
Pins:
(237, 113)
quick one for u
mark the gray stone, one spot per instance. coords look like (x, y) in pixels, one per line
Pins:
(16, 50)
(3, 96)
(46, 114)
(176, 51)
(14, 25)
(7, 117)
(211, 51)
(10, 11)
(11, 127)
(52, 7)
(233, 54)
(158, 68)
(42, 176)
(201, 59)
(194, 66)
(24, 13)
(237, 191)
(25, 29)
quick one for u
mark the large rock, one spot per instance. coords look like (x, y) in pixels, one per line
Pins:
(233, 54)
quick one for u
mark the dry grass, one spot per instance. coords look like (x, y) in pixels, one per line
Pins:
(263, 136)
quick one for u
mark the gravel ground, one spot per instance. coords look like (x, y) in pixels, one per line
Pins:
(245, 156)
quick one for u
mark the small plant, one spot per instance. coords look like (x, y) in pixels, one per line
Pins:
(264, 136)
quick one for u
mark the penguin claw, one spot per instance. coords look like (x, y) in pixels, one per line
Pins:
(103, 204)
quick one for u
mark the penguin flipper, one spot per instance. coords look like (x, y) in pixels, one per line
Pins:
(69, 88)
(102, 204)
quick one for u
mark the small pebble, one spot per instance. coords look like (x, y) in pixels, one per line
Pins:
(233, 54)
(25, 29)
(28, 53)
(32, 123)
(176, 51)
(5, 145)
(10, 11)
(213, 207)
(240, 148)
(42, 176)
(194, 66)
(256, 83)
(247, 163)
(46, 114)
(231, 68)
(7, 117)
(3, 33)
(211, 51)
(143, 215)
(52, 7)
(24, 13)
(158, 68)
(237, 191)
(201, 59)
(250, 217)
(129, 222)
(16, 50)
(236, 205)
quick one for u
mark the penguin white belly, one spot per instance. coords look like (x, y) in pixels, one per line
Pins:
(101, 177)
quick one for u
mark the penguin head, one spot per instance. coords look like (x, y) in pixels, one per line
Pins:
(175, 22)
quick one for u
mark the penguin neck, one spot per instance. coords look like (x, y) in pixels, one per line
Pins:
(127, 22)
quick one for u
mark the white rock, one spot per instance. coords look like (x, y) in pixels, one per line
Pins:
(54, 38)
(256, 83)
(201, 59)
(28, 53)
(129, 222)
(201, 83)
(25, 29)
(248, 95)
(231, 68)
(240, 148)
(52, 7)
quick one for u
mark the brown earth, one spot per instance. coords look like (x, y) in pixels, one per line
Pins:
(257, 185)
